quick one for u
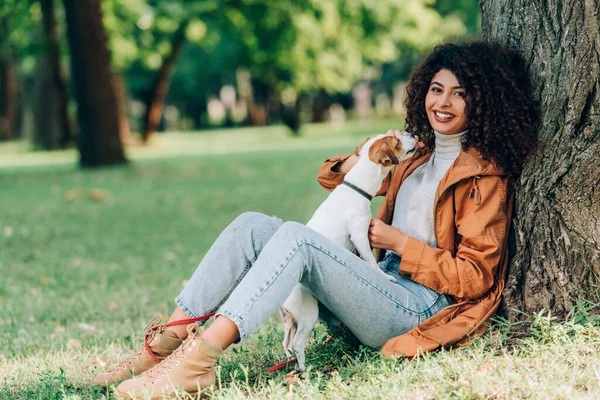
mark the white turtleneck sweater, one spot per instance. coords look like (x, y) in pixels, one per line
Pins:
(413, 211)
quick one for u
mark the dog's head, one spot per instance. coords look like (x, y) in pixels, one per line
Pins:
(387, 150)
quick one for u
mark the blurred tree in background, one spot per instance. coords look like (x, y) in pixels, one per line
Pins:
(97, 108)
(188, 64)
(15, 24)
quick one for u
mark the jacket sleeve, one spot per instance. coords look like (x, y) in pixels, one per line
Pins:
(470, 272)
(327, 177)
(330, 179)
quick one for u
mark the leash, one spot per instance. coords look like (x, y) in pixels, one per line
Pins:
(209, 315)
(186, 321)
(294, 361)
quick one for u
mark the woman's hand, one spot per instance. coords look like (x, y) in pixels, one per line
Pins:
(384, 236)
(397, 132)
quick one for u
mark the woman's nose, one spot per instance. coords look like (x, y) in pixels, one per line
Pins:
(443, 101)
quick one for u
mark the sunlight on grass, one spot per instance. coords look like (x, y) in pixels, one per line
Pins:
(218, 141)
(88, 257)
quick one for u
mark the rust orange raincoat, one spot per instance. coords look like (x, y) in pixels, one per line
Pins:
(473, 206)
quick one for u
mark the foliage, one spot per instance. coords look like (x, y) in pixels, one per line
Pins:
(465, 10)
(295, 47)
(18, 19)
(299, 45)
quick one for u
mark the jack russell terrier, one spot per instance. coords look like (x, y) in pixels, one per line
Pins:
(344, 217)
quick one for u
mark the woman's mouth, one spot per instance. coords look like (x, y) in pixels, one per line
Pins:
(443, 117)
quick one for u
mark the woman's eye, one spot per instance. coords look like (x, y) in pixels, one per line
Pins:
(461, 94)
(436, 90)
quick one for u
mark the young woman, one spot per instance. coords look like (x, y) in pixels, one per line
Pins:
(441, 231)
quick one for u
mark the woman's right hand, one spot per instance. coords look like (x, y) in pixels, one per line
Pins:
(351, 161)
(345, 166)
(397, 132)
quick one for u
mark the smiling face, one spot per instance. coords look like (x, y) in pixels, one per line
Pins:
(445, 103)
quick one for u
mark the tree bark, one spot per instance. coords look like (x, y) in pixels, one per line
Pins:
(97, 111)
(258, 106)
(9, 87)
(48, 132)
(557, 220)
(58, 84)
(319, 106)
(9, 99)
(127, 137)
(156, 102)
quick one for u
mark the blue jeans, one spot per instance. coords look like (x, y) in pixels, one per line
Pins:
(257, 260)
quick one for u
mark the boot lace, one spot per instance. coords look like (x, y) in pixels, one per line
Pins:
(152, 329)
(174, 359)
(149, 333)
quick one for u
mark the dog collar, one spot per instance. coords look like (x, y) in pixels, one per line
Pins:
(358, 190)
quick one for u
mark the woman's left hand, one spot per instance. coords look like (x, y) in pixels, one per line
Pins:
(384, 236)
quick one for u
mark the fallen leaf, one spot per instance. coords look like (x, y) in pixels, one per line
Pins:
(14, 392)
(58, 330)
(72, 194)
(76, 262)
(8, 231)
(170, 256)
(292, 377)
(99, 361)
(98, 194)
(112, 306)
(184, 282)
(485, 368)
(86, 327)
(45, 280)
(74, 343)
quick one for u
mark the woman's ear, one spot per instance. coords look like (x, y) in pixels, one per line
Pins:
(360, 146)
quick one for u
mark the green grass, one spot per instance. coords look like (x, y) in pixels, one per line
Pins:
(82, 273)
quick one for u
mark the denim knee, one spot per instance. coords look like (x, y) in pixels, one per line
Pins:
(250, 218)
(292, 229)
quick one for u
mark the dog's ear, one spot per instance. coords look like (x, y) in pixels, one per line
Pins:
(360, 146)
(384, 151)
(389, 159)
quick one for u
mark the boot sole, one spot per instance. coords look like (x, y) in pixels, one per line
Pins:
(167, 396)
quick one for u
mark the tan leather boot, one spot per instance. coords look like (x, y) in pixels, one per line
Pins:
(158, 344)
(190, 368)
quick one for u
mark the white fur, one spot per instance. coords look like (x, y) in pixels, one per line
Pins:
(343, 217)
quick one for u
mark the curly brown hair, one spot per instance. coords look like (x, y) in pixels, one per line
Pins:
(501, 113)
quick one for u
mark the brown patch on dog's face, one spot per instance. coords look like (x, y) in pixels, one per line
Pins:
(385, 151)
(360, 146)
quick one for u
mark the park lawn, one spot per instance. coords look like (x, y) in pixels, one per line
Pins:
(88, 257)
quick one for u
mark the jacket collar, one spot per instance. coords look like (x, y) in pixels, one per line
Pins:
(469, 164)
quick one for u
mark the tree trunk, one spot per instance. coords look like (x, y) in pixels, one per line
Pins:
(156, 102)
(290, 116)
(319, 106)
(58, 82)
(127, 137)
(97, 111)
(9, 99)
(258, 109)
(557, 219)
(48, 132)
